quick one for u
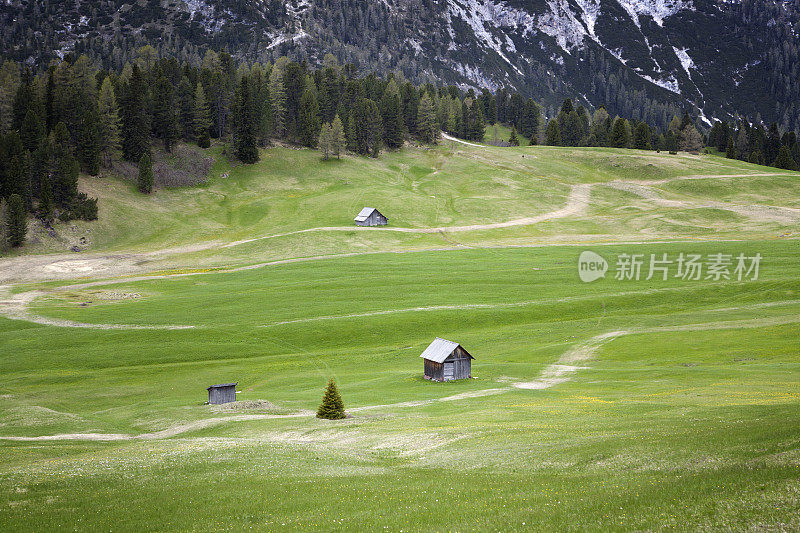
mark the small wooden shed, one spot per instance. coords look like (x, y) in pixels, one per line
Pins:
(446, 360)
(369, 216)
(222, 393)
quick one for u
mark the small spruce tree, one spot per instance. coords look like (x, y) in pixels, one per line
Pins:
(513, 140)
(332, 406)
(146, 178)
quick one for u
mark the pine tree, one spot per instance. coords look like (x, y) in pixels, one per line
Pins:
(784, 159)
(135, 118)
(392, 116)
(31, 130)
(351, 134)
(202, 117)
(410, 99)
(332, 406)
(17, 177)
(691, 140)
(146, 178)
(246, 142)
(530, 119)
(427, 125)
(45, 208)
(165, 124)
(730, 151)
(641, 137)
(89, 142)
(24, 101)
(109, 122)
(17, 223)
(601, 124)
(756, 157)
(325, 142)
(277, 94)
(369, 132)
(670, 142)
(512, 140)
(570, 125)
(186, 109)
(337, 137)
(263, 109)
(619, 133)
(65, 168)
(308, 119)
(553, 133)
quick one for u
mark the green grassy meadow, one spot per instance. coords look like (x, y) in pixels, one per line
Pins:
(685, 417)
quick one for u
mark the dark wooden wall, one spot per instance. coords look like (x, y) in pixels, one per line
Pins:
(434, 370)
(222, 395)
(461, 364)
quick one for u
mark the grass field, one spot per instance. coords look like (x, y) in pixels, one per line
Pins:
(615, 405)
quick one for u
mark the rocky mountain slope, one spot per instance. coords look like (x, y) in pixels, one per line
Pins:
(641, 58)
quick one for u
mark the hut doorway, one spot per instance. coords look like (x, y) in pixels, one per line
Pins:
(449, 371)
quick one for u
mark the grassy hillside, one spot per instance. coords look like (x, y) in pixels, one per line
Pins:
(615, 405)
(452, 185)
(659, 427)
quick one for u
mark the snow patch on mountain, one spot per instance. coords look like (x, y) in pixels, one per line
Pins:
(686, 61)
(475, 75)
(591, 10)
(670, 84)
(561, 24)
(657, 9)
(480, 13)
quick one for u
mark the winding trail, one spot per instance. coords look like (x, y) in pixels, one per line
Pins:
(761, 213)
(15, 307)
(555, 374)
(577, 203)
(49, 267)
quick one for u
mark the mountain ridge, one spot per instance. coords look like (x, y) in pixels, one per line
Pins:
(647, 59)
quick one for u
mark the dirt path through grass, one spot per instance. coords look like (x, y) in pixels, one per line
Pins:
(49, 267)
(15, 307)
(555, 374)
(759, 213)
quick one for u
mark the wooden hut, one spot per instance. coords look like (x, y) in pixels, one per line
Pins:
(369, 216)
(446, 360)
(223, 393)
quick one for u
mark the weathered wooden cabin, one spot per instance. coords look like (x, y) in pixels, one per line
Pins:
(223, 393)
(446, 360)
(369, 216)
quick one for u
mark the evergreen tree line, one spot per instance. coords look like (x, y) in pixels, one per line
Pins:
(754, 143)
(574, 126)
(75, 118)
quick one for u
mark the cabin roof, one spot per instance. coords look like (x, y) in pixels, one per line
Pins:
(365, 213)
(440, 349)
(222, 385)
